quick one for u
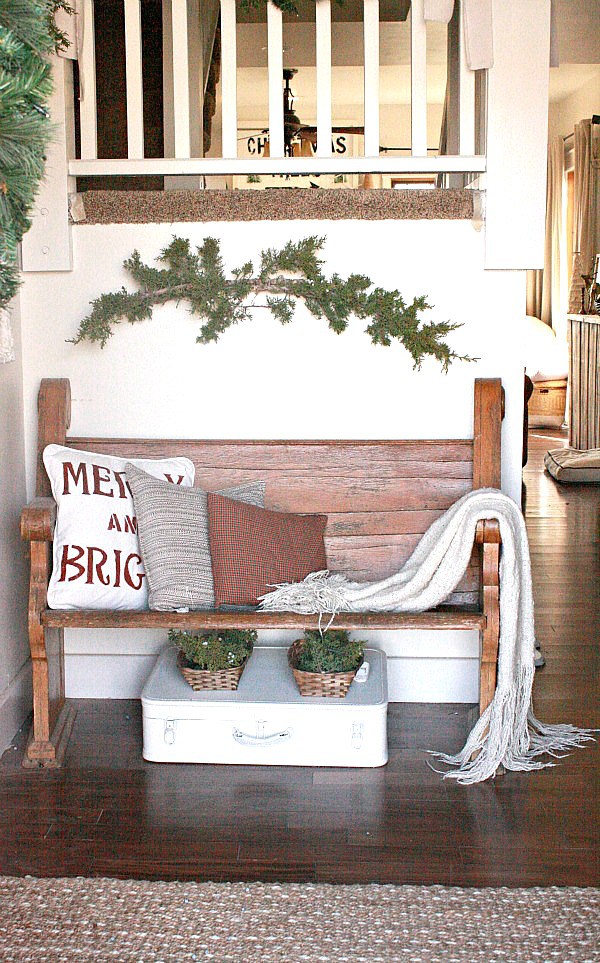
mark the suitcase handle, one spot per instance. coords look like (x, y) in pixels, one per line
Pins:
(244, 739)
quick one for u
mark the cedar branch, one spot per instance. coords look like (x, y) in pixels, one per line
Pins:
(284, 276)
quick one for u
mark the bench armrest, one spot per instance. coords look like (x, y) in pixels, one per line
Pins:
(487, 536)
(38, 520)
(488, 532)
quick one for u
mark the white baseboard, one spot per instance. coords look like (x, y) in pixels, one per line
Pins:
(15, 705)
(106, 676)
(409, 679)
(433, 680)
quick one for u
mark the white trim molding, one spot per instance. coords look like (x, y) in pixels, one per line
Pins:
(15, 705)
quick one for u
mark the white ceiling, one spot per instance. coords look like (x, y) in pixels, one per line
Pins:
(569, 78)
(578, 31)
(578, 36)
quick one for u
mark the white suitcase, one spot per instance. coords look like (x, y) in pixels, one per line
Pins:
(265, 721)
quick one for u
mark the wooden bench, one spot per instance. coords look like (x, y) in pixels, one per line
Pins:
(380, 496)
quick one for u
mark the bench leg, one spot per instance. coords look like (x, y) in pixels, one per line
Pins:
(52, 717)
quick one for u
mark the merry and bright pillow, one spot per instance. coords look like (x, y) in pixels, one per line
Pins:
(97, 559)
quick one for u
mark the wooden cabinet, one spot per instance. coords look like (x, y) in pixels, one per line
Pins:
(584, 381)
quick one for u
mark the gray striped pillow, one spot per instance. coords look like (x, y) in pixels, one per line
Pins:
(173, 533)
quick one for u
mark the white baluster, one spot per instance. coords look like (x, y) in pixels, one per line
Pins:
(181, 83)
(87, 76)
(275, 53)
(133, 67)
(371, 79)
(229, 78)
(418, 80)
(323, 28)
(466, 86)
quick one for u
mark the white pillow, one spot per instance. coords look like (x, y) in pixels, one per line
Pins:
(546, 357)
(97, 559)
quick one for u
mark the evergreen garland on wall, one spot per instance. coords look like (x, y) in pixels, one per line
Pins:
(27, 37)
(283, 277)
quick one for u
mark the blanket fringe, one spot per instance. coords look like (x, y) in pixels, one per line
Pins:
(559, 741)
(508, 734)
(319, 593)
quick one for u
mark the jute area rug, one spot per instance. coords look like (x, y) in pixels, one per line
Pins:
(105, 919)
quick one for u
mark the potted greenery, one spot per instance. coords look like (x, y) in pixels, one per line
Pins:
(213, 660)
(325, 663)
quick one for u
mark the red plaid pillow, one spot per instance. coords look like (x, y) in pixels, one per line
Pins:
(253, 549)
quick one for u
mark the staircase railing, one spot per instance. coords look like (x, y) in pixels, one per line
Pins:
(512, 100)
(184, 159)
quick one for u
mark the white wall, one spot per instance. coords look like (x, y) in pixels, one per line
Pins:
(265, 380)
(15, 674)
(517, 134)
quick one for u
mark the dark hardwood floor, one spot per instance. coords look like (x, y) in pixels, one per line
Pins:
(108, 813)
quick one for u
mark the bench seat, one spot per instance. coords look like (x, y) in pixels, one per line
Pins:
(444, 617)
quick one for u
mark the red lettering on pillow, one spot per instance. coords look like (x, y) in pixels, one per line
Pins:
(131, 524)
(76, 475)
(124, 489)
(100, 479)
(170, 479)
(65, 561)
(114, 523)
(129, 578)
(96, 568)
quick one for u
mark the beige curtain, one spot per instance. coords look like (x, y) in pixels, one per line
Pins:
(535, 283)
(586, 219)
(546, 289)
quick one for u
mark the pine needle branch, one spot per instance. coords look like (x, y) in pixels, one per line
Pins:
(294, 273)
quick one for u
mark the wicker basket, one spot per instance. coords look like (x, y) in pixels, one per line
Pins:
(547, 404)
(330, 684)
(200, 679)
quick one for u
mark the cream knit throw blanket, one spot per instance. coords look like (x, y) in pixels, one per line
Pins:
(507, 733)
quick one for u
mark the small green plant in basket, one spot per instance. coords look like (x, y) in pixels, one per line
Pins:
(213, 660)
(324, 664)
(333, 651)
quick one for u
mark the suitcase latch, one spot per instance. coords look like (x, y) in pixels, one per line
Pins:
(357, 734)
(170, 726)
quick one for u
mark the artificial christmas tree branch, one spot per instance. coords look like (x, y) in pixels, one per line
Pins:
(285, 276)
(28, 36)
